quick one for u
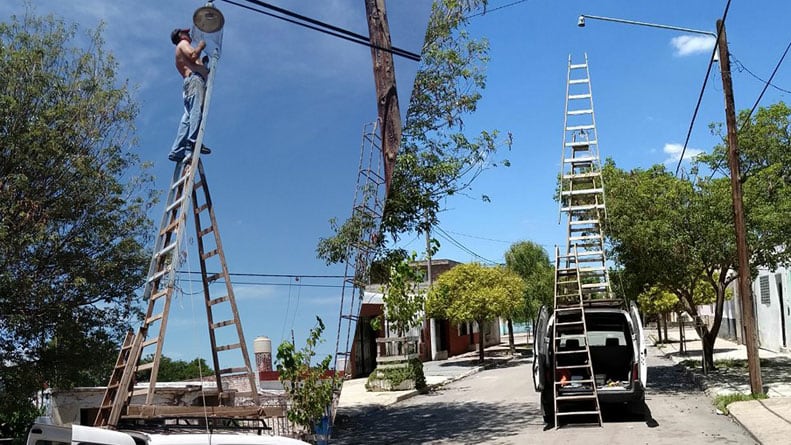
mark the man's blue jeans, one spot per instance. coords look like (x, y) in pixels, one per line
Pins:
(194, 89)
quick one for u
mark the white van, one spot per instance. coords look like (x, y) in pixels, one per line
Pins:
(42, 433)
(617, 349)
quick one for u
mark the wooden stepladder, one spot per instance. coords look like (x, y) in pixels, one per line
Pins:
(225, 328)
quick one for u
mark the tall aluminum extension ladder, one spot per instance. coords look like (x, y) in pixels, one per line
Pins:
(581, 271)
(367, 215)
(225, 328)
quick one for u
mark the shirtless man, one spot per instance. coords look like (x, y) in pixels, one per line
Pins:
(189, 65)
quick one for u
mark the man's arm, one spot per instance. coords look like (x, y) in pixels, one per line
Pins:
(190, 53)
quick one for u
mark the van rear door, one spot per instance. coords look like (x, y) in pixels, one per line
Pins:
(540, 348)
(81, 434)
(638, 339)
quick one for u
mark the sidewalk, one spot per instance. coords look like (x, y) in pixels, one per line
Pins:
(354, 398)
(769, 421)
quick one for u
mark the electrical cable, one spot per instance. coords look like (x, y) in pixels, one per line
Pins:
(703, 88)
(746, 121)
(267, 275)
(741, 67)
(323, 27)
(487, 11)
(461, 246)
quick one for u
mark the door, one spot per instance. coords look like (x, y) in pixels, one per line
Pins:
(638, 339)
(540, 348)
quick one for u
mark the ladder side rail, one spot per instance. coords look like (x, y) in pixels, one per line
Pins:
(127, 383)
(588, 351)
(563, 142)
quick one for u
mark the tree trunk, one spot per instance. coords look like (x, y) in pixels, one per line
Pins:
(664, 318)
(659, 327)
(681, 346)
(511, 346)
(708, 351)
(480, 341)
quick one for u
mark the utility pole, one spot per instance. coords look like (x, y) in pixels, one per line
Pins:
(386, 94)
(745, 292)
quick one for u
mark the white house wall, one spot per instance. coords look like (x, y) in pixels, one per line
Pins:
(772, 301)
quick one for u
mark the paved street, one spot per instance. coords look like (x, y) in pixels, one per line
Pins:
(499, 406)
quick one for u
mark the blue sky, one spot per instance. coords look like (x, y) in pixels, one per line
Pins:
(289, 106)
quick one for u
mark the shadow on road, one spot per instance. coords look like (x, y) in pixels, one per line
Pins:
(458, 422)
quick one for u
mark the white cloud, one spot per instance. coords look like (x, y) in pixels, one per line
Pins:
(687, 45)
(674, 153)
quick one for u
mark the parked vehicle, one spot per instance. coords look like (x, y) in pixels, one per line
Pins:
(617, 351)
(42, 433)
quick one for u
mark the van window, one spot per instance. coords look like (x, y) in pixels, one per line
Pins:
(606, 338)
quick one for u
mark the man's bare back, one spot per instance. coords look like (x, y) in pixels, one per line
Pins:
(188, 59)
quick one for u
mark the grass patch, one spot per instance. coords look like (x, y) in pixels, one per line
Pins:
(690, 363)
(722, 401)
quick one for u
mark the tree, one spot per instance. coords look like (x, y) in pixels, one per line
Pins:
(437, 158)
(472, 292)
(73, 219)
(402, 296)
(307, 383)
(178, 370)
(659, 302)
(531, 262)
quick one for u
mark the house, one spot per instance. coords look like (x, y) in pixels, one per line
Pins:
(772, 306)
(450, 339)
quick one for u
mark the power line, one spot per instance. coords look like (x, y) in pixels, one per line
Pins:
(487, 11)
(260, 283)
(703, 88)
(766, 86)
(266, 275)
(741, 67)
(322, 27)
(461, 246)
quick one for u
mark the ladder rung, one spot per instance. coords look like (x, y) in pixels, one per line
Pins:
(568, 323)
(572, 367)
(213, 278)
(228, 347)
(209, 254)
(178, 182)
(218, 300)
(205, 231)
(574, 176)
(579, 112)
(145, 367)
(149, 343)
(577, 81)
(227, 371)
(577, 413)
(175, 204)
(581, 143)
(583, 222)
(170, 227)
(201, 208)
(580, 127)
(157, 275)
(581, 159)
(582, 192)
(573, 382)
(589, 253)
(155, 318)
(576, 351)
(569, 309)
(350, 317)
(159, 294)
(578, 66)
(584, 238)
(585, 207)
(198, 184)
(166, 249)
(579, 96)
(593, 285)
(222, 324)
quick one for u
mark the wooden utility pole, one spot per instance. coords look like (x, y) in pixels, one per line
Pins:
(384, 76)
(745, 293)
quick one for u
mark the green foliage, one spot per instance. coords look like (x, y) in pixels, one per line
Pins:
(436, 158)
(402, 296)
(531, 262)
(72, 209)
(307, 384)
(657, 301)
(412, 370)
(723, 400)
(472, 292)
(177, 370)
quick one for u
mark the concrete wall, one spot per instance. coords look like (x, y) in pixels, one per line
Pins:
(772, 308)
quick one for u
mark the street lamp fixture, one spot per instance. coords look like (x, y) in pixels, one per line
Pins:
(582, 17)
(208, 18)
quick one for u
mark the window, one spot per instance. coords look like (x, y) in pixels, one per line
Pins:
(763, 283)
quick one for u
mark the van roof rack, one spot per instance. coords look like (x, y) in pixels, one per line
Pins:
(194, 424)
(604, 302)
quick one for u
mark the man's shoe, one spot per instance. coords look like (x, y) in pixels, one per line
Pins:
(175, 157)
(204, 150)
